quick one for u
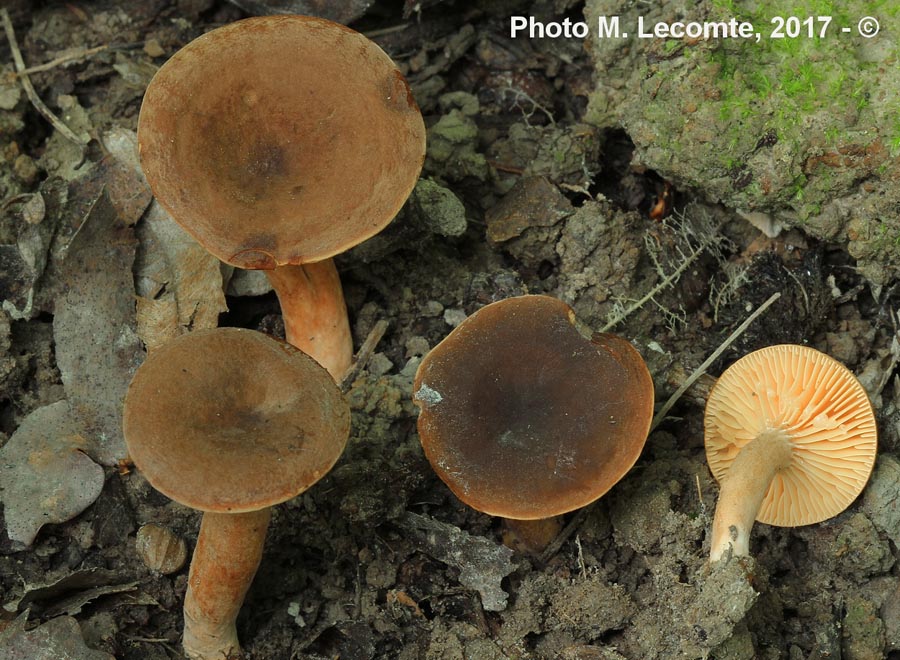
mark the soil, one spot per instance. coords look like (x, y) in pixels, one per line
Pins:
(618, 176)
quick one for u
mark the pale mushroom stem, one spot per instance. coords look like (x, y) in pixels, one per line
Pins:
(531, 536)
(315, 315)
(743, 489)
(225, 560)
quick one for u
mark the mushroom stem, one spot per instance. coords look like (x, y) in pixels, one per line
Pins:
(225, 560)
(531, 536)
(743, 490)
(315, 316)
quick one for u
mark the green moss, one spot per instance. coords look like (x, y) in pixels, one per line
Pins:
(452, 148)
(802, 88)
(863, 630)
(894, 142)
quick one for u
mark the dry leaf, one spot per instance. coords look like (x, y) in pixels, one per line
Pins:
(58, 639)
(157, 320)
(94, 325)
(44, 475)
(174, 268)
(482, 564)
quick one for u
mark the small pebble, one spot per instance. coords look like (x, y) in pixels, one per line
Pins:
(34, 210)
(25, 169)
(417, 346)
(379, 365)
(453, 317)
(153, 49)
(431, 309)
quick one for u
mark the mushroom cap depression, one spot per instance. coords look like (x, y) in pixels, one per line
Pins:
(523, 417)
(280, 140)
(828, 419)
(231, 420)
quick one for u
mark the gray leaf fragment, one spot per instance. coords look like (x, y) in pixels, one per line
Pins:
(44, 475)
(58, 639)
(58, 588)
(173, 268)
(482, 563)
(73, 604)
(94, 325)
(22, 264)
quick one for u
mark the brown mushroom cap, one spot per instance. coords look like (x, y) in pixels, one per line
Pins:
(280, 140)
(525, 418)
(231, 420)
(824, 411)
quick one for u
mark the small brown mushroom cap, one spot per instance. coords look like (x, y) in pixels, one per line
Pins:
(524, 417)
(280, 140)
(826, 415)
(231, 420)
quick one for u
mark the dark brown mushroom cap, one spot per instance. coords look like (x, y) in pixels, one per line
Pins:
(525, 418)
(280, 140)
(231, 420)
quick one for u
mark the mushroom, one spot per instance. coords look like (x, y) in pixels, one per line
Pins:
(791, 439)
(525, 417)
(230, 422)
(278, 142)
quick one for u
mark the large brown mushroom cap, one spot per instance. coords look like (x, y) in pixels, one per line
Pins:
(280, 140)
(231, 420)
(826, 415)
(525, 418)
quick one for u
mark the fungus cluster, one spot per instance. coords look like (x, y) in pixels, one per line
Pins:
(230, 438)
(791, 438)
(524, 417)
(278, 142)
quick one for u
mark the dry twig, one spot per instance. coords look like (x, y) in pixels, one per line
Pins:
(363, 355)
(567, 531)
(30, 92)
(699, 371)
(81, 54)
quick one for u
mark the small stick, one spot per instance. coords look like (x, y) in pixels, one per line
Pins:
(581, 564)
(554, 546)
(383, 32)
(363, 355)
(62, 59)
(29, 88)
(699, 371)
(700, 496)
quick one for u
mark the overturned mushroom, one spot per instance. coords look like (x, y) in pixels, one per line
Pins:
(791, 438)
(525, 418)
(230, 422)
(278, 142)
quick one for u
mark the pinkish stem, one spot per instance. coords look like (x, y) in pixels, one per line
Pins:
(315, 315)
(225, 560)
(743, 489)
